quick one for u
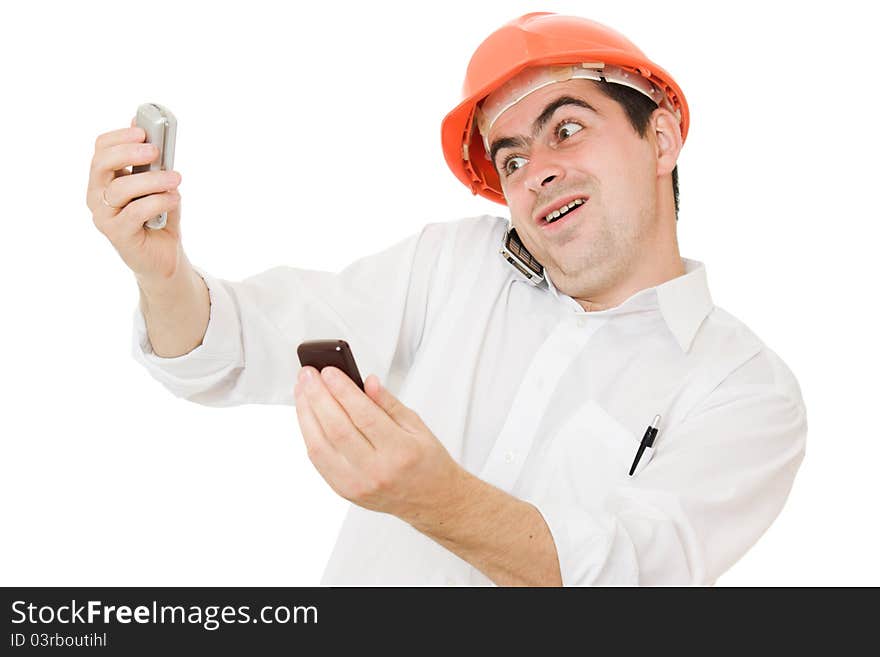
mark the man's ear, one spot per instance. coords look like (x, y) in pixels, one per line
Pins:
(667, 132)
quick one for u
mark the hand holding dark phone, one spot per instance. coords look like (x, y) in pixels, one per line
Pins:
(321, 353)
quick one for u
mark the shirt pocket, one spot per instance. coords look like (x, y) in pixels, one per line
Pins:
(589, 456)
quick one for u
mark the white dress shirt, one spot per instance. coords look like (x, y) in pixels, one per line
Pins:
(532, 394)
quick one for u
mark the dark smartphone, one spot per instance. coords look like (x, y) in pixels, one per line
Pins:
(321, 353)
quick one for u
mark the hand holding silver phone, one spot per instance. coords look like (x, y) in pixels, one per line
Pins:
(161, 128)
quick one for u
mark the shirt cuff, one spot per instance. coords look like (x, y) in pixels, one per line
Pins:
(222, 340)
(592, 547)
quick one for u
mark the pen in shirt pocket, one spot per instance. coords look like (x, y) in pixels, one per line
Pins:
(647, 441)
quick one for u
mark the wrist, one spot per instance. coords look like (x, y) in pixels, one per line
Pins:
(442, 516)
(167, 288)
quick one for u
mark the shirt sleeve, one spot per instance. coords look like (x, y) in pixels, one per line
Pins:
(379, 304)
(714, 485)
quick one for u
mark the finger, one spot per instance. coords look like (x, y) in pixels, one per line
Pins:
(115, 138)
(366, 415)
(109, 163)
(121, 136)
(117, 196)
(118, 173)
(119, 156)
(123, 190)
(130, 221)
(137, 213)
(337, 425)
(122, 172)
(404, 416)
(329, 463)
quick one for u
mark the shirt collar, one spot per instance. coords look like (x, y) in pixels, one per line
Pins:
(684, 302)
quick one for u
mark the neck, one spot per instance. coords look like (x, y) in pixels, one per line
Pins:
(641, 278)
(660, 261)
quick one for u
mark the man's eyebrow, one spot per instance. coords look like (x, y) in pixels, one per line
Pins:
(505, 142)
(539, 124)
(545, 116)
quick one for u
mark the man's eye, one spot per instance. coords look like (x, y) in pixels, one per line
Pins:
(567, 129)
(513, 163)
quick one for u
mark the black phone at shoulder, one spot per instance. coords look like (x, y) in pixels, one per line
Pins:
(515, 252)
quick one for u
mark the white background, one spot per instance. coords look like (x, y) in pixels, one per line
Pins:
(311, 137)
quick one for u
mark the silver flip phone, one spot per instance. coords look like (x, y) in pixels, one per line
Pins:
(161, 128)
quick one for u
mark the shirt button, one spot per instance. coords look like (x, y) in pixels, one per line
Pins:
(510, 457)
(582, 322)
(450, 581)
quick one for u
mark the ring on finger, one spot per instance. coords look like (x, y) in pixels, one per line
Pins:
(106, 202)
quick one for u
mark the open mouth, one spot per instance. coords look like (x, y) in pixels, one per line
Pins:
(562, 213)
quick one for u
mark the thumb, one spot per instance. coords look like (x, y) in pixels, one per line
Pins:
(397, 410)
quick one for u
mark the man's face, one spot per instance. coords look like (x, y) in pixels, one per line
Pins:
(569, 142)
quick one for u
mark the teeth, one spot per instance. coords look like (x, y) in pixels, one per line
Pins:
(553, 216)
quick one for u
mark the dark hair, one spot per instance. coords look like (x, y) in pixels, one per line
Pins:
(638, 108)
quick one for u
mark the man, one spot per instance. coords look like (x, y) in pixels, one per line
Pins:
(576, 411)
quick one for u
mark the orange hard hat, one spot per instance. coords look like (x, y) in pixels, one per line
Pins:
(544, 39)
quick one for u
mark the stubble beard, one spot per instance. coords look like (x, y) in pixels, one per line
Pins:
(590, 269)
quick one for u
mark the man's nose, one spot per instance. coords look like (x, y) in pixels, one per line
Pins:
(545, 170)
